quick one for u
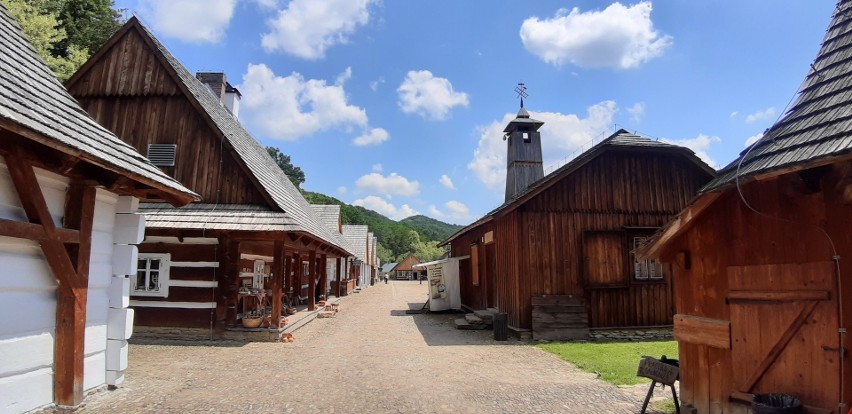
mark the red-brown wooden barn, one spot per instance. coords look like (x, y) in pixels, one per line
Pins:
(562, 243)
(761, 258)
(205, 266)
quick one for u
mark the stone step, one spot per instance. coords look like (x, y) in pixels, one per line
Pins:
(487, 315)
(473, 319)
(464, 325)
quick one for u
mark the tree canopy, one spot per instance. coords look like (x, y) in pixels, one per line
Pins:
(65, 32)
(296, 175)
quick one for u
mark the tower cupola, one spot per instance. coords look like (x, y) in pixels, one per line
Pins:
(523, 158)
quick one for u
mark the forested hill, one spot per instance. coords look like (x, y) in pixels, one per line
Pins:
(395, 237)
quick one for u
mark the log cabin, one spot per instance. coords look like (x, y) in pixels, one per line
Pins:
(760, 258)
(405, 270)
(556, 255)
(254, 239)
(69, 189)
(330, 216)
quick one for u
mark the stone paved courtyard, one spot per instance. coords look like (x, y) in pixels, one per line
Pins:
(371, 357)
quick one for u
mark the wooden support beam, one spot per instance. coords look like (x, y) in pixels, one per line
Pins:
(338, 274)
(232, 270)
(312, 281)
(297, 274)
(31, 231)
(323, 268)
(777, 295)
(277, 281)
(223, 283)
(702, 331)
(288, 273)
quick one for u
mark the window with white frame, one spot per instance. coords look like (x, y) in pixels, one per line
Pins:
(152, 275)
(648, 269)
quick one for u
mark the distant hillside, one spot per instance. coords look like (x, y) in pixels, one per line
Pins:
(429, 228)
(392, 235)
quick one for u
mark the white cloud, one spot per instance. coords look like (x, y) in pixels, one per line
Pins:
(637, 111)
(267, 4)
(189, 20)
(447, 182)
(429, 96)
(374, 136)
(619, 37)
(752, 139)
(306, 28)
(374, 85)
(381, 206)
(734, 114)
(457, 210)
(699, 145)
(763, 115)
(435, 212)
(290, 107)
(562, 135)
(342, 190)
(391, 185)
(377, 167)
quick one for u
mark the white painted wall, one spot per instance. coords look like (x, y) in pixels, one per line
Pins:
(28, 291)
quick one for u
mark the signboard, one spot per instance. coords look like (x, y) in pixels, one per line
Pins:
(658, 370)
(437, 284)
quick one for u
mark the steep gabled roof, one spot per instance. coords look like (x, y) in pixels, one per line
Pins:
(356, 234)
(35, 105)
(255, 160)
(330, 216)
(818, 126)
(621, 139)
(388, 267)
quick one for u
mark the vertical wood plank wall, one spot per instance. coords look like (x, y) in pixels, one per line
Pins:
(130, 93)
(539, 245)
(729, 234)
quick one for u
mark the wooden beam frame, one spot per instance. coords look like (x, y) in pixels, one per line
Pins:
(277, 281)
(69, 266)
(312, 281)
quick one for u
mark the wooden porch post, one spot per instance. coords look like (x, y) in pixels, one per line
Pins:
(338, 274)
(297, 274)
(223, 284)
(323, 264)
(312, 282)
(232, 268)
(277, 278)
(288, 270)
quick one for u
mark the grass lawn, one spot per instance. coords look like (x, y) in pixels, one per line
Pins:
(616, 362)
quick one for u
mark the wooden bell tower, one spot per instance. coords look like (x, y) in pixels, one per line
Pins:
(523, 158)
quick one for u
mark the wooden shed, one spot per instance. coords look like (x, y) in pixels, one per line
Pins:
(405, 269)
(761, 258)
(206, 267)
(68, 193)
(568, 236)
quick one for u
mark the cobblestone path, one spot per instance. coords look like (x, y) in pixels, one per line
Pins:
(370, 358)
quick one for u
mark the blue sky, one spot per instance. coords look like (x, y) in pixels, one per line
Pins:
(398, 106)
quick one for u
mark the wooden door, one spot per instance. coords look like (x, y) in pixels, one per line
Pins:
(784, 331)
(491, 275)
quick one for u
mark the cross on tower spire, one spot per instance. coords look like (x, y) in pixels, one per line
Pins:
(521, 90)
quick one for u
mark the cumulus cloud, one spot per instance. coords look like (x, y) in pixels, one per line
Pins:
(267, 4)
(377, 167)
(189, 20)
(342, 190)
(374, 136)
(457, 210)
(637, 111)
(618, 37)
(429, 96)
(752, 139)
(391, 185)
(434, 212)
(734, 114)
(374, 85)
(699, 145)
(307, 28)
(447, 182)
(566, 133)
(763, 115)
(291, 107)
(385, 208)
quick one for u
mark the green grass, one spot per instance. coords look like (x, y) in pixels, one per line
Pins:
(615, 362)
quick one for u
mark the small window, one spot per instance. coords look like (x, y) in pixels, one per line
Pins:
(526, 137)
(645, 269)
(152, 275)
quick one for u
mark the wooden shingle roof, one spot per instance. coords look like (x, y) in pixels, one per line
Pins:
(356, 235)
(216, 217)
(35, 105)
(818, 125)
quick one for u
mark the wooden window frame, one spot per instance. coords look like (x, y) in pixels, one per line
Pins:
(659, 269)
(163, 280)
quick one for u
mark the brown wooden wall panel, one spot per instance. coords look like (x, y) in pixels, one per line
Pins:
(702, 331)
(182, 252)
(604, 258)
(193, 273)
(171, 317)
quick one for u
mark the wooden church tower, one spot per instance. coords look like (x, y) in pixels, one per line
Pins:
(523, 159)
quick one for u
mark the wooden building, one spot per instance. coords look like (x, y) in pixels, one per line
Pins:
(252, 241)
(358, 237)
(761, 257)
(568, 235)
(330, 216)
(68, 193)
(405, 269)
